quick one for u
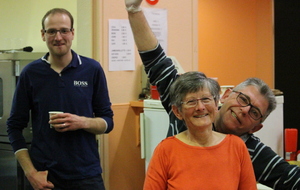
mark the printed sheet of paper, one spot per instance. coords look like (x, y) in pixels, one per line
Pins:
(121, 46)
(158, 22)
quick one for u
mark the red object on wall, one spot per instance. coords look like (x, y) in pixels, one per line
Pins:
(152, 2)
(291, 142)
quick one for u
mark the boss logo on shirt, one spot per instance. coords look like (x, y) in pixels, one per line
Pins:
(81, 83)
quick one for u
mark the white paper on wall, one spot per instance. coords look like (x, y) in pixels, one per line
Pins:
(121, 46)
(158, 22)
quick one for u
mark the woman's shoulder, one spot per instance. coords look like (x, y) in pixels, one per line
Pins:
(234, 137)
(235, 140)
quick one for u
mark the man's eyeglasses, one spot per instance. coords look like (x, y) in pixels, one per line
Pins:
(63, 31)
(245, 101)
(194, 102)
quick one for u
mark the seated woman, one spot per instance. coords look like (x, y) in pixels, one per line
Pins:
(199, 158)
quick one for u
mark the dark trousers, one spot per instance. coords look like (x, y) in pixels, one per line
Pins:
(83, 184)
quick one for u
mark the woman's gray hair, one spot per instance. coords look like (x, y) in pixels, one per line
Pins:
(263, 89)
(191, 82)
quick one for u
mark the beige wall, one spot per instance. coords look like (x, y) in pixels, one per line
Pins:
(125, 170)
(125, 86)
(21, 22)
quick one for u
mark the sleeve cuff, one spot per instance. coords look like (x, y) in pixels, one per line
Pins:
(150, 49)
(20, 150)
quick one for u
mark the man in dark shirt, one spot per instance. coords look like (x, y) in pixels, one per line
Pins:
(65, 156)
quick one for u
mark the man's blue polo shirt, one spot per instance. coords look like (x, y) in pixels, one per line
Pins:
(79, 89)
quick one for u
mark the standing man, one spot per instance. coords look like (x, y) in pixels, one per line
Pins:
(242, 113)
(66, 155)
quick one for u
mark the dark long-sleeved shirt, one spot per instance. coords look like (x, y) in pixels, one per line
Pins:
(79, 89)
(270, 169)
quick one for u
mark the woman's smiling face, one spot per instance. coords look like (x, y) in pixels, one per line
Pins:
(198, 109)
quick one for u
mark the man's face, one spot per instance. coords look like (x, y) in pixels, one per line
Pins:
(58, 44)
(232, 118)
